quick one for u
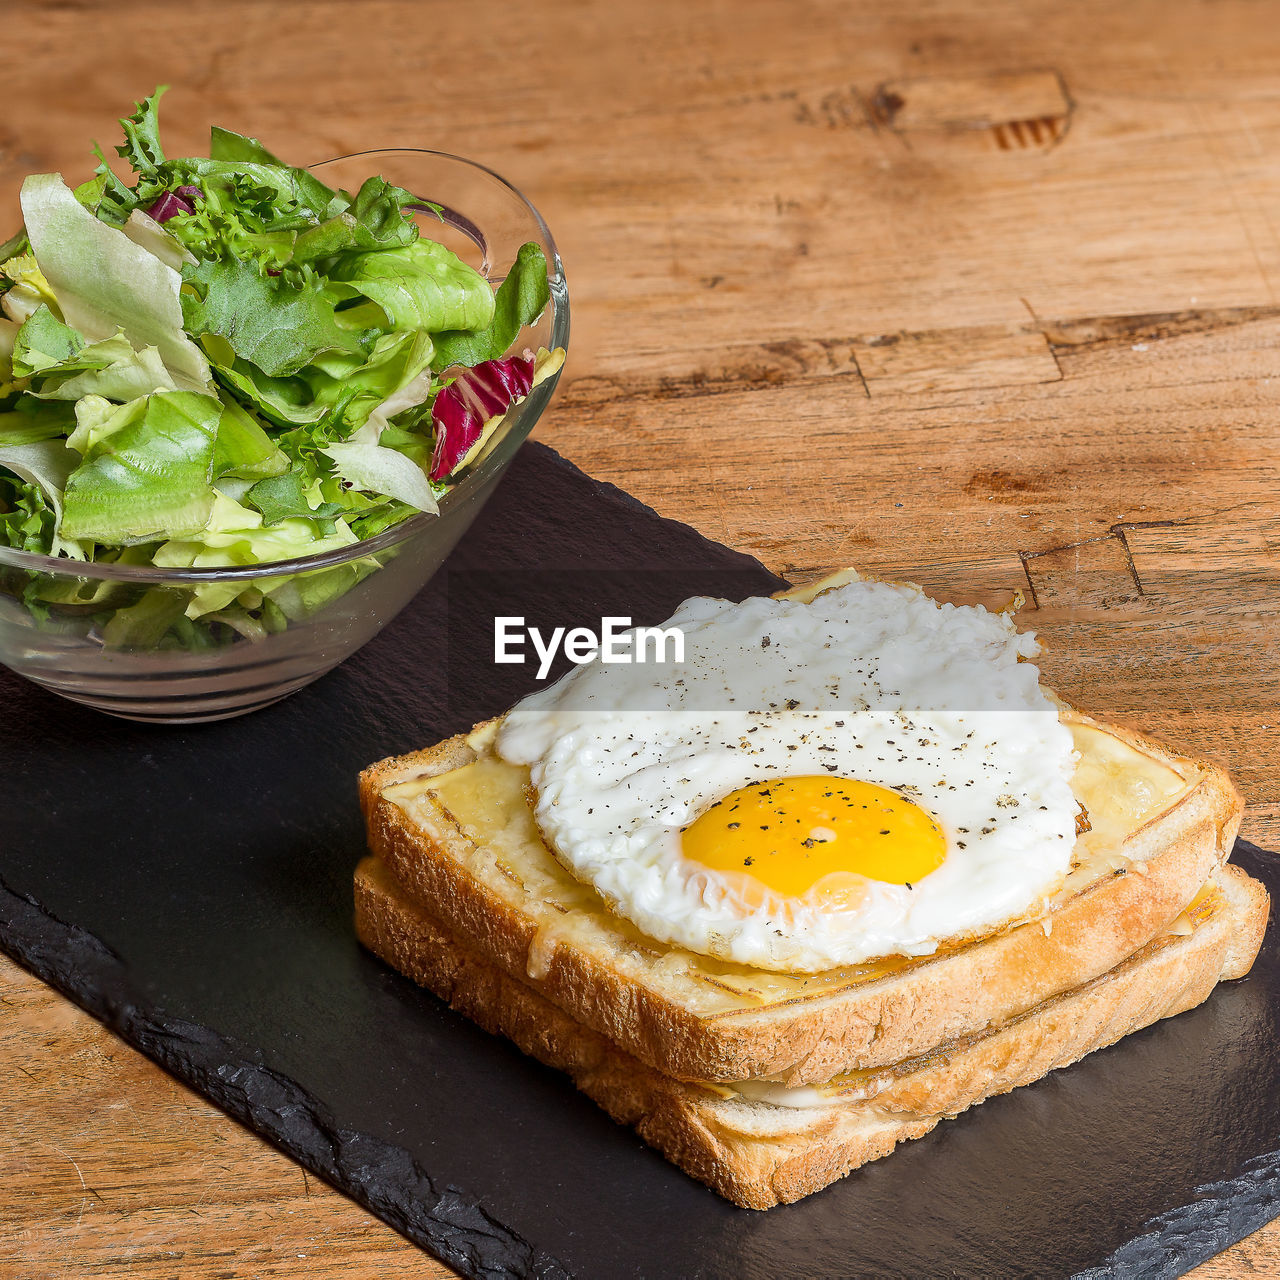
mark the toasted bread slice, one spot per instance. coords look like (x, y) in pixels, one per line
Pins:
(759, 1153)
(453, 825)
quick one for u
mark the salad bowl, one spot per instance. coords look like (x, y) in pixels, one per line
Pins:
(157, 668)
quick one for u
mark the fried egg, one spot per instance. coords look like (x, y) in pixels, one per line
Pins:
(816, 784)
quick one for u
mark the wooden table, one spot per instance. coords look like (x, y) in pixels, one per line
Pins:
(977, 294)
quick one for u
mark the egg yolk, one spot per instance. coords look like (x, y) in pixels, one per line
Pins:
(792, 833)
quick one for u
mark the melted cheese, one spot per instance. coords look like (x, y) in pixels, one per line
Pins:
(481, 811)
(858, 1086)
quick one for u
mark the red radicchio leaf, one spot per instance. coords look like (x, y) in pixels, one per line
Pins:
(169, 204)
(189, 194)
(463, 407)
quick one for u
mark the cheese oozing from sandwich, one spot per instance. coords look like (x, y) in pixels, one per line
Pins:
(816, 784)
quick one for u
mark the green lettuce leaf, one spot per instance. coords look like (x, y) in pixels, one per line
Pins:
(382, 215)
(27, 521)
(56, 339)
(353, 389)
(335, 223)
(44, 342)
(105, 283)
(9, 381)
(376, 219)
(285, 497)
(287, 401)
(128, 376)
(421, 286)
(234, 164)
(145, 623)
(226, 144)
(141, 146)
(68, 368)
(304, 594)
(334, 395)
(234, 535)
(240, 620)
(248, 211)
(266, 321)
(380, 519)
(151, 477)
(97, 419)
(244, 450)
(234, 159)
(90, 193)
(31, 420)
(48, 465)
(521, 299)
(107, 198)
(14, 247)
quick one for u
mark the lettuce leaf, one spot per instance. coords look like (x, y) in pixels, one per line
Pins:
(421, 286)
(226, 144)
(30, 421)
(104, 282)
(28, 290)
(365, 463)
(229, 153)
(521, 299)
(266, 321)
(27, 521)
(336, 393)
(128, 376)
(234, 535)
(145, 623)
(44, 342)
(288, 401)
(9, 381)
(97, 419)
(375, 220)
(151, 477)
(107, 197)
(15, 246)
(148, 234)
(240, 172)
(352, 391)
(380, 519)
(285, 497)
(141, 146)
(244, 450)
(48, 465)
(68, 368)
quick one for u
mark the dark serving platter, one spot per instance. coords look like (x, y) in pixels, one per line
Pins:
(191, 887)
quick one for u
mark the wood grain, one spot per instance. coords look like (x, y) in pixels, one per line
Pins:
(109, 1167)
(982, 295)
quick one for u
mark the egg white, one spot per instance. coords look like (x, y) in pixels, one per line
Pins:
(871, 681)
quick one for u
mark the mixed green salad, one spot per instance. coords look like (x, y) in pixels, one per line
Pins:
(230, 363)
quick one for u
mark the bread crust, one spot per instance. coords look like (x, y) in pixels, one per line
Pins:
(875, 1023)
(758, 1154)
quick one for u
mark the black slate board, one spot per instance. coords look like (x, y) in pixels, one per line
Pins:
(191, 888)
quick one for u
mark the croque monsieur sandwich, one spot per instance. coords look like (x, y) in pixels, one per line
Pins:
(842, 872)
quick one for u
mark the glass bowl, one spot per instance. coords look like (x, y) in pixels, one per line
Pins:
(337, 600)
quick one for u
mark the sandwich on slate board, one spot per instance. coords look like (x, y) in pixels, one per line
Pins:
(842, 872)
